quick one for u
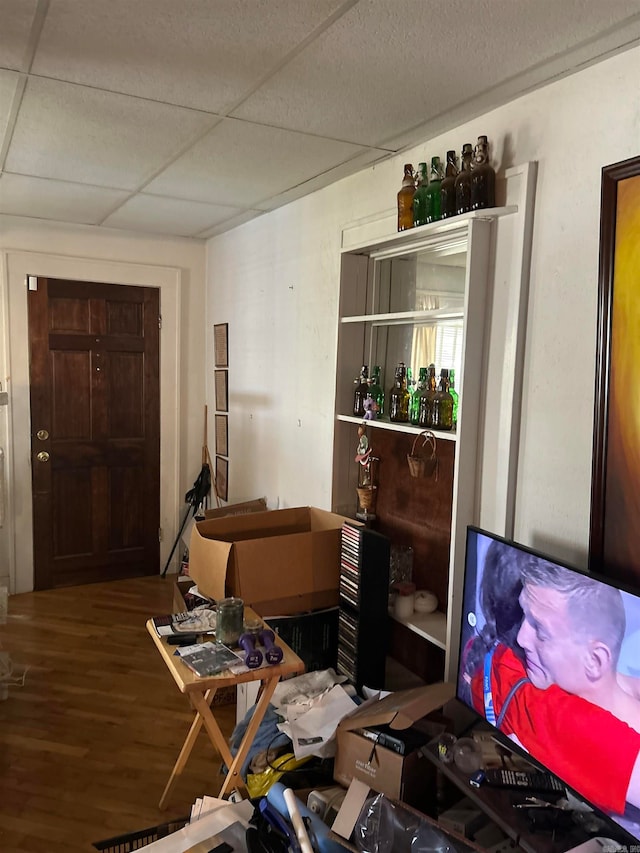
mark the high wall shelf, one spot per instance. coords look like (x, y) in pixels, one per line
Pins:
(418, 296)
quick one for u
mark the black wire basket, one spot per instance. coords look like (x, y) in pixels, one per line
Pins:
(135, 840)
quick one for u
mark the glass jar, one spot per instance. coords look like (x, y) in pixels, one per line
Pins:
(230, 620)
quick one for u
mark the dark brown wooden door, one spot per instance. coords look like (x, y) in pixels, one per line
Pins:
(95, 419)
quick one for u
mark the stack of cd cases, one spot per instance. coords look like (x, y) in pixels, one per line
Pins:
(364, 593)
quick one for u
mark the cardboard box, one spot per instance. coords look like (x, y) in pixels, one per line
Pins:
(279, 562)
(402, 777)
(244, 508)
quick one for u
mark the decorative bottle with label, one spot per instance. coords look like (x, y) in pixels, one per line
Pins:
(443, 404)
(399, 396)
(448, 186)
(376, 390)
(463, 181)
(414, 408)
(483, 178)
(405, 199)
(362, 389)
(433, 191)
(420, 197)
(425, 409)
(454, 394)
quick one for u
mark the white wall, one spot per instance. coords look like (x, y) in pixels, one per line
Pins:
(275, 281)
(177, 267)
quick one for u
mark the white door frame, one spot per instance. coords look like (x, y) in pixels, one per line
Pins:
(16, 266)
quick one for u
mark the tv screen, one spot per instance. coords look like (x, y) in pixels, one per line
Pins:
(550, 656)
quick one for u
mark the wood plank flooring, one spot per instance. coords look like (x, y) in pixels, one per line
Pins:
(87, 745)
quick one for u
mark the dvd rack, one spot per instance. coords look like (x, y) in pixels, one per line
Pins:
(363, 616)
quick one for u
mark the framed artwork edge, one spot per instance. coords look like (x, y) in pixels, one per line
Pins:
(612, 176)
(221, 344)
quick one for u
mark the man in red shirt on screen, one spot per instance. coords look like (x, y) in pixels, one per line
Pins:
(595, 752)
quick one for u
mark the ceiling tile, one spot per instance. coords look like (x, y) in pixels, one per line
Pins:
(387, 66)
(240, 162)
(199, 54)
(65, 202)
(168, 216)
(8, 84)
(17, 17)
(74, 133)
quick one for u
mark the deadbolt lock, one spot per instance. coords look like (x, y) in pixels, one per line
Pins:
(43, 456)
(42, 434)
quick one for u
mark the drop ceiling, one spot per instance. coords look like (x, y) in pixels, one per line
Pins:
(189, 117)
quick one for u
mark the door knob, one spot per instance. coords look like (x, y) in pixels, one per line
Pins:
(43, 456)
(42, 435)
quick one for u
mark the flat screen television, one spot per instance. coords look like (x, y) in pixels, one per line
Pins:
(550, 656)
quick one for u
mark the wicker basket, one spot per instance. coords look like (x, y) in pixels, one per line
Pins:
(423, 462)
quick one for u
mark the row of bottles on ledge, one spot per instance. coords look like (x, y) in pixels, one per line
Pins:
(432, 404)
(426, 198)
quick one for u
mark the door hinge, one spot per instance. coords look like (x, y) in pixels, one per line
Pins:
(32, 282)
(159, 321)
(159, 534)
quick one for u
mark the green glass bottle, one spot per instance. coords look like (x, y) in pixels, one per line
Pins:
(399, 396)
(362, 389)
(454, 394)
(420, 197)
(414, 409)
(434, 208)
(443, 404)
(376, 390)
(425, 405)
(448, 186)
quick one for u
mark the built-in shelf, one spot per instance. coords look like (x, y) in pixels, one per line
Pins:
(402, 317)
(397, 241)
(396, 427)
(431, 626)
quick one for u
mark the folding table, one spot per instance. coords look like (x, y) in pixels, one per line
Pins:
(201, 691)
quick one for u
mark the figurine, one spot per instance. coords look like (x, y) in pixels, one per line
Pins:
(363, 451)
(371, 408)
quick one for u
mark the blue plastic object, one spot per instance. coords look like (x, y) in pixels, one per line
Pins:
(324, 844)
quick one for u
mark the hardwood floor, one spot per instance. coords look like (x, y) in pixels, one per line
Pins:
(87, 745)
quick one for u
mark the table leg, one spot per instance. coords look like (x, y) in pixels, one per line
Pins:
(188, 745)
(234, 779)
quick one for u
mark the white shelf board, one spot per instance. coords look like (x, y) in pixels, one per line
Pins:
(400, 317)
(431, 626)
(433, 229)
(395, 427)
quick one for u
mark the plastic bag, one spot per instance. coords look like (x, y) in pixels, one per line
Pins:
(259, 783)
(384, 827)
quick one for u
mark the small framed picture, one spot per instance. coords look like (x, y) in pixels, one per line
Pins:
(221, 344)
(222, 440)
(222, 390)
(222, 478)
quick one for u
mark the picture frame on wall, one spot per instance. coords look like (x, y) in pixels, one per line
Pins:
(222, 478)
(221, 383)
(614, 547)
(221, 344)
(222, 435)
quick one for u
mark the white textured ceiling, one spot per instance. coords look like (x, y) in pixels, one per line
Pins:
(188, 117)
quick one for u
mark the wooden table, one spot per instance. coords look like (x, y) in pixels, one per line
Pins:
(201, 692)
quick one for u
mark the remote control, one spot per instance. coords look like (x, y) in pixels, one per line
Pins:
(534, 780)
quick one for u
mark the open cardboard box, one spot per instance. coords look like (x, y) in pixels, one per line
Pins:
(279, 562)
(401, 777)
